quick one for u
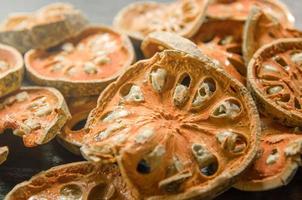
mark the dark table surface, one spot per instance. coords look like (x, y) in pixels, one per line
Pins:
(24, 162)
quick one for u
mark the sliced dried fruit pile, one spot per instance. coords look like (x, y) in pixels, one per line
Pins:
(84, 65)
(171, 127)
(178, 125)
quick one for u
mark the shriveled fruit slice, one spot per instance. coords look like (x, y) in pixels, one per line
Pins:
(262, 28)
(75, 181)
(182, 17)
(178, 127)
(239, 10)
(277, 161)
(11, 70)
(34, 113)
(84, 65)
(44, 28)
(221, 40)
(73, 132)
(3, 154)
(159, 41)
(275, 79)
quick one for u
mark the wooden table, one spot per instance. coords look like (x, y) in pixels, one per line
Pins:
(23, 162)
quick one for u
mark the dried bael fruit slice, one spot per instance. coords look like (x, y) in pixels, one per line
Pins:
(73, 132)
(221, 40)
(159, 41)
(11, 70)
(44, 28)
(262, 28)
(34, 113)
(178, 127)
(75, 181)
(277, 161)
(84, 65)
(3, 154)
(239, 10)
(182, 17)
(275, 79)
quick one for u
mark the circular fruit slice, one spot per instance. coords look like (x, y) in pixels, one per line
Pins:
(277, 161)
(44, 28)
(34, 113)
(11, 70)
(262, 28)
(3, 154)
(182, 17)
(239, 10)
(221, 41)
(159, 41)
(75, 181)
(274, 76)
(178, 127)
(84, 65)
(73, 132)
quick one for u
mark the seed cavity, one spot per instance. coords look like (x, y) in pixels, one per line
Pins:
(297, 58)
(43, 111)
(22, 96)
(71, 192)
(57, 67)
(158, 79)
(32, 123)
(273, 157)
(144, 135)
(90, 68)
(231, 142)
(132, 93)
(102, 191)
(59, 58)
(226, 40)
(230, 108)
(274, 89)
(294, 148)
(180, 94)
(101, 60)
(111, 129)
(172, 184)
(67, 47)
(204, 93)
(116, 114)
(71, 71)
(207, 162)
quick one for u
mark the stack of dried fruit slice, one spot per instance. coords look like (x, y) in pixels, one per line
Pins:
(84, 65)
(44, 28)
(169, 124)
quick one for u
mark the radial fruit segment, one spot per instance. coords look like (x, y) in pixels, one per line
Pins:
(44, 28)
(34, 113)
(277, 161)
(182, 17)
(178, 127)
(87, 62)
(262, 28)
(239, 10)
(221, 40)
(75, 181)
(159, 41)
(11, 70)
(274, 76)
(73, 132)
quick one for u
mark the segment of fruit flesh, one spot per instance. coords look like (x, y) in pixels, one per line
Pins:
(279, 79)
(268, 29)
(96, 56)
(172, 132)
(241, 8)
(28, 112)
(173, 17)
(221, 40)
